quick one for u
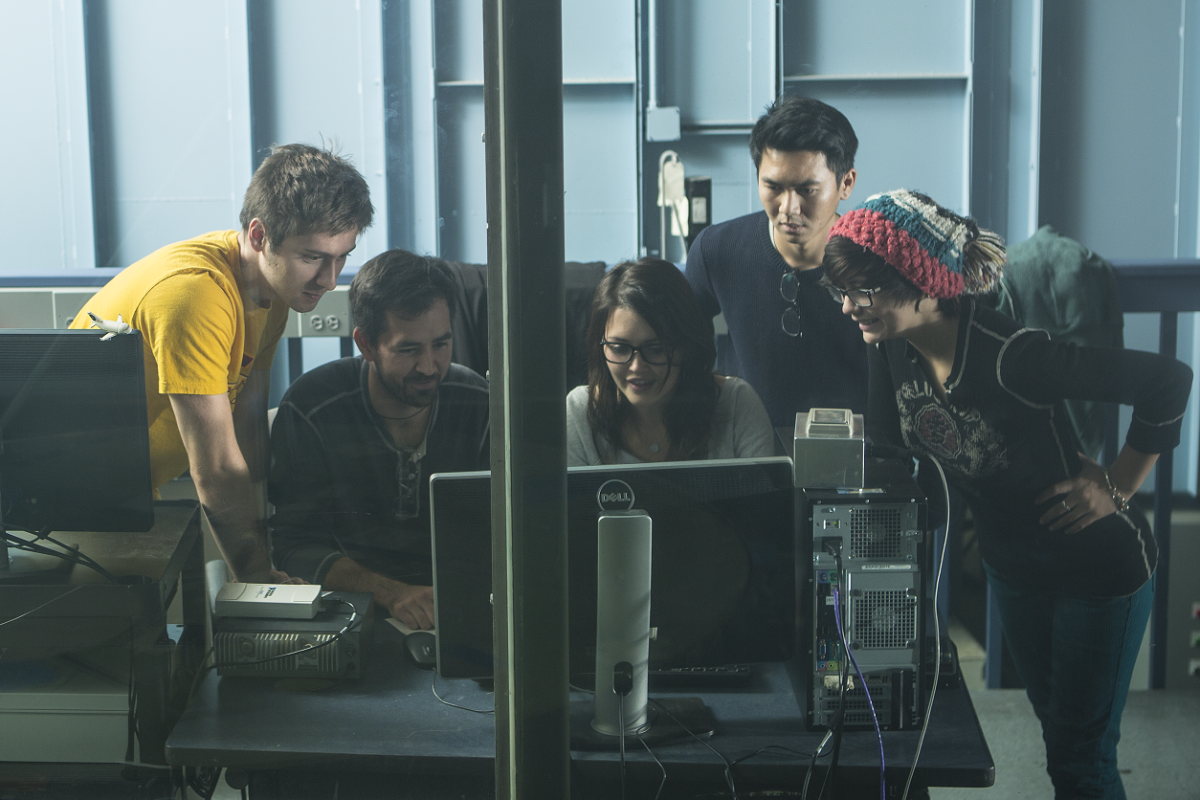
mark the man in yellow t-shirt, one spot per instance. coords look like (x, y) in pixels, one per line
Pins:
(211, 311)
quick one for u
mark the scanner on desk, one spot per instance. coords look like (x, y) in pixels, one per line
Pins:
(268, 600)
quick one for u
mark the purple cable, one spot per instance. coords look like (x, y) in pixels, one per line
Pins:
(837, 616)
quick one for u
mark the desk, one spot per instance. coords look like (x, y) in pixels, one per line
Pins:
(129, 617)
(387, 735)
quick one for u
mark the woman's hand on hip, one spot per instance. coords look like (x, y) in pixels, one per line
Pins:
(1083, 499)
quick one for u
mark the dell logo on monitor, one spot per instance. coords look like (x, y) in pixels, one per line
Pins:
(614, 495)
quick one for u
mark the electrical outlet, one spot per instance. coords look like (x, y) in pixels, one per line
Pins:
(1194, 667)
(331, 317)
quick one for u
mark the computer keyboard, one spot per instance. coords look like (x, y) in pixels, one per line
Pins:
(714, 677)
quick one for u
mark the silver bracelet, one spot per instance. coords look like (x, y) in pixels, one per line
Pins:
(1118, 500)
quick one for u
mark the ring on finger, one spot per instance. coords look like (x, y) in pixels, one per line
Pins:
(1066, 508)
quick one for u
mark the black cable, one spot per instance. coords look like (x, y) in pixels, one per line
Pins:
(728, 774)
(621, 734)
(622, 685)
(834, 547)
(433, 688)
(866, 692)
(67, 554)
(35, 609)
(812, 765)
(937, 632)
(663, 782)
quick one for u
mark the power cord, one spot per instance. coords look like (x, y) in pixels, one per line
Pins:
(433, 688)
(622, 684)
(65, 554)
(866, 689)
(937, 631)
(663, 782)
(36, 609)
(728, 774)
(812, 765)
(834, 548)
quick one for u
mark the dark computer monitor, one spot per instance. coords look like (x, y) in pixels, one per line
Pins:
(723, 570)
(74, 440)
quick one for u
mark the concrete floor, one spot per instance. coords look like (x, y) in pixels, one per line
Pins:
(1159, 753)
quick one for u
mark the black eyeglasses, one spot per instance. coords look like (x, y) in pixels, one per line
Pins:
(858, 297)
(789, 288)
(653, 352)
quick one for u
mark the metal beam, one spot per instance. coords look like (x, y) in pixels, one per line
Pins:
(523, 131)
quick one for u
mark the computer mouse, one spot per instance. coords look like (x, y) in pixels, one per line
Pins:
(421, 647)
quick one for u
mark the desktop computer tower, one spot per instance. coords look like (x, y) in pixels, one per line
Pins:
(878, 533)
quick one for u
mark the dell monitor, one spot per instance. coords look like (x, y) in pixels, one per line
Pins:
(722, 571)
(74, 440)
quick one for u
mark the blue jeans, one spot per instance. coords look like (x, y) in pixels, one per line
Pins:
(1076, 657)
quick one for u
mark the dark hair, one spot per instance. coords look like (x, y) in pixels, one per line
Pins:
(299, 189)
(657, 292)
(849, 265)
(796, 123)
(397, 282)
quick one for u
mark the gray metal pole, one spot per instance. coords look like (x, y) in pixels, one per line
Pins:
(523, 110)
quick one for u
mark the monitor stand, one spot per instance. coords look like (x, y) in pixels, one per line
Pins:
(623, 562)
(667, 719)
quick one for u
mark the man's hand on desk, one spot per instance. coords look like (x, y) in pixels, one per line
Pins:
(413, 605)
(409, 603)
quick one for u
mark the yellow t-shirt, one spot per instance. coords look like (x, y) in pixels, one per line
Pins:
(198, 336)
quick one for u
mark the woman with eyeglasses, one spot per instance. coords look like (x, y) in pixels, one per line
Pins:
(651, 392)
(1069, 561)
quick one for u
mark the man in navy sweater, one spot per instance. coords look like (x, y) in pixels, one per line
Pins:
(790, 339)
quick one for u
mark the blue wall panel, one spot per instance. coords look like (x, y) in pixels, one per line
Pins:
(462, 187)
(46, 204)
(862, 37)
(599, 172)
(911, 134)
(304, 93)
(716, 59)
(1109, 136)
(169, 122)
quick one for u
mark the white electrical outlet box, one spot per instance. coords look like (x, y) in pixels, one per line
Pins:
(331, 317)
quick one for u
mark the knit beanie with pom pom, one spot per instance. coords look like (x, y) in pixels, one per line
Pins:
(941, 253)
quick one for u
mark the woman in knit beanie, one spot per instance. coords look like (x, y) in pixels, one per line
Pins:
(1070, 562)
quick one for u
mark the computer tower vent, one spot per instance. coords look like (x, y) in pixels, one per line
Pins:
(857, 709)
(876, 532)
(247, 653)
(883, 618)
